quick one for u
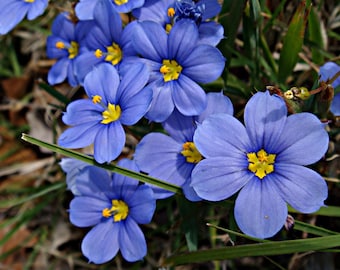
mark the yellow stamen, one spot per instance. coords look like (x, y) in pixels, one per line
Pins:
(73, 50)
(60, 45)
(261, 163)
(170, 70)
(119, 210)
(191, 153)
(112, 114)
(168, 28)
(114, 54)
(29, 1)
(98, 53)
(171, 12)
(120, 2)
(96, 99)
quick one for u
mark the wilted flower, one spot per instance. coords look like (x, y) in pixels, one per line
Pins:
(114, 205)
(264, 161)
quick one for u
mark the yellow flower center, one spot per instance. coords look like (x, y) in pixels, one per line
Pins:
(261, 163)
(170, 70)
(119, 210)
(112, 112)
(72, 50)
(191, 153)
(114, 54)
(168, 28)
(29, 1)
(120, 2)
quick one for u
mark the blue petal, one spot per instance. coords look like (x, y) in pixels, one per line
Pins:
(37, 8)
(180, 127)
(216, 103)
(335, 105)
(100, 244)
(87, 211)
(125, 187)
(132, 241)
(204, 64)
(259, 210)
(82, 111)
(103, 80)
(108, 19)
(265, 117)
(58, 71)
(189, 98)
(154, 10)
(214, 181)
(189, 192)
(303, 141)
(79, 136)
(327, 71)
(211, 8)
(109, 142)
(84, 9)
(159, 156)
(52, 51)
(182, 40)
(63, 27)
(221, 135)
(72, 168)
(162, 104)
(11, 13)
(210, 33)
(84, 63)
(150, 41)
(128, 6)
(142, 205)
(93, 182)
(304, 189)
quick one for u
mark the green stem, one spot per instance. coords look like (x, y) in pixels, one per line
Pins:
(113, 168)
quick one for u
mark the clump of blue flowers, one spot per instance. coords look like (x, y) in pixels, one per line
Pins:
(151, 70)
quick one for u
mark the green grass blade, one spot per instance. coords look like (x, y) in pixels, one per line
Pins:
(54, 93)
(113, 168)
(293, 41)
(258, 249)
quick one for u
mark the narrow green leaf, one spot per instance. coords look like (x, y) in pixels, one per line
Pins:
(293, 41)
(113, 168)
(329, 210)
(258, 249)
(305, 227)
(54, 93)
(315, 35)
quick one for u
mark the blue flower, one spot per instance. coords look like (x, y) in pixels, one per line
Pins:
(105, 42)
(327, 71)
(84, 9)
(114, 205)
(168, 12)
(111, 104)
(13, 12)
(63, 45)
(172, 158)
(264, 161)
(177, 63)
